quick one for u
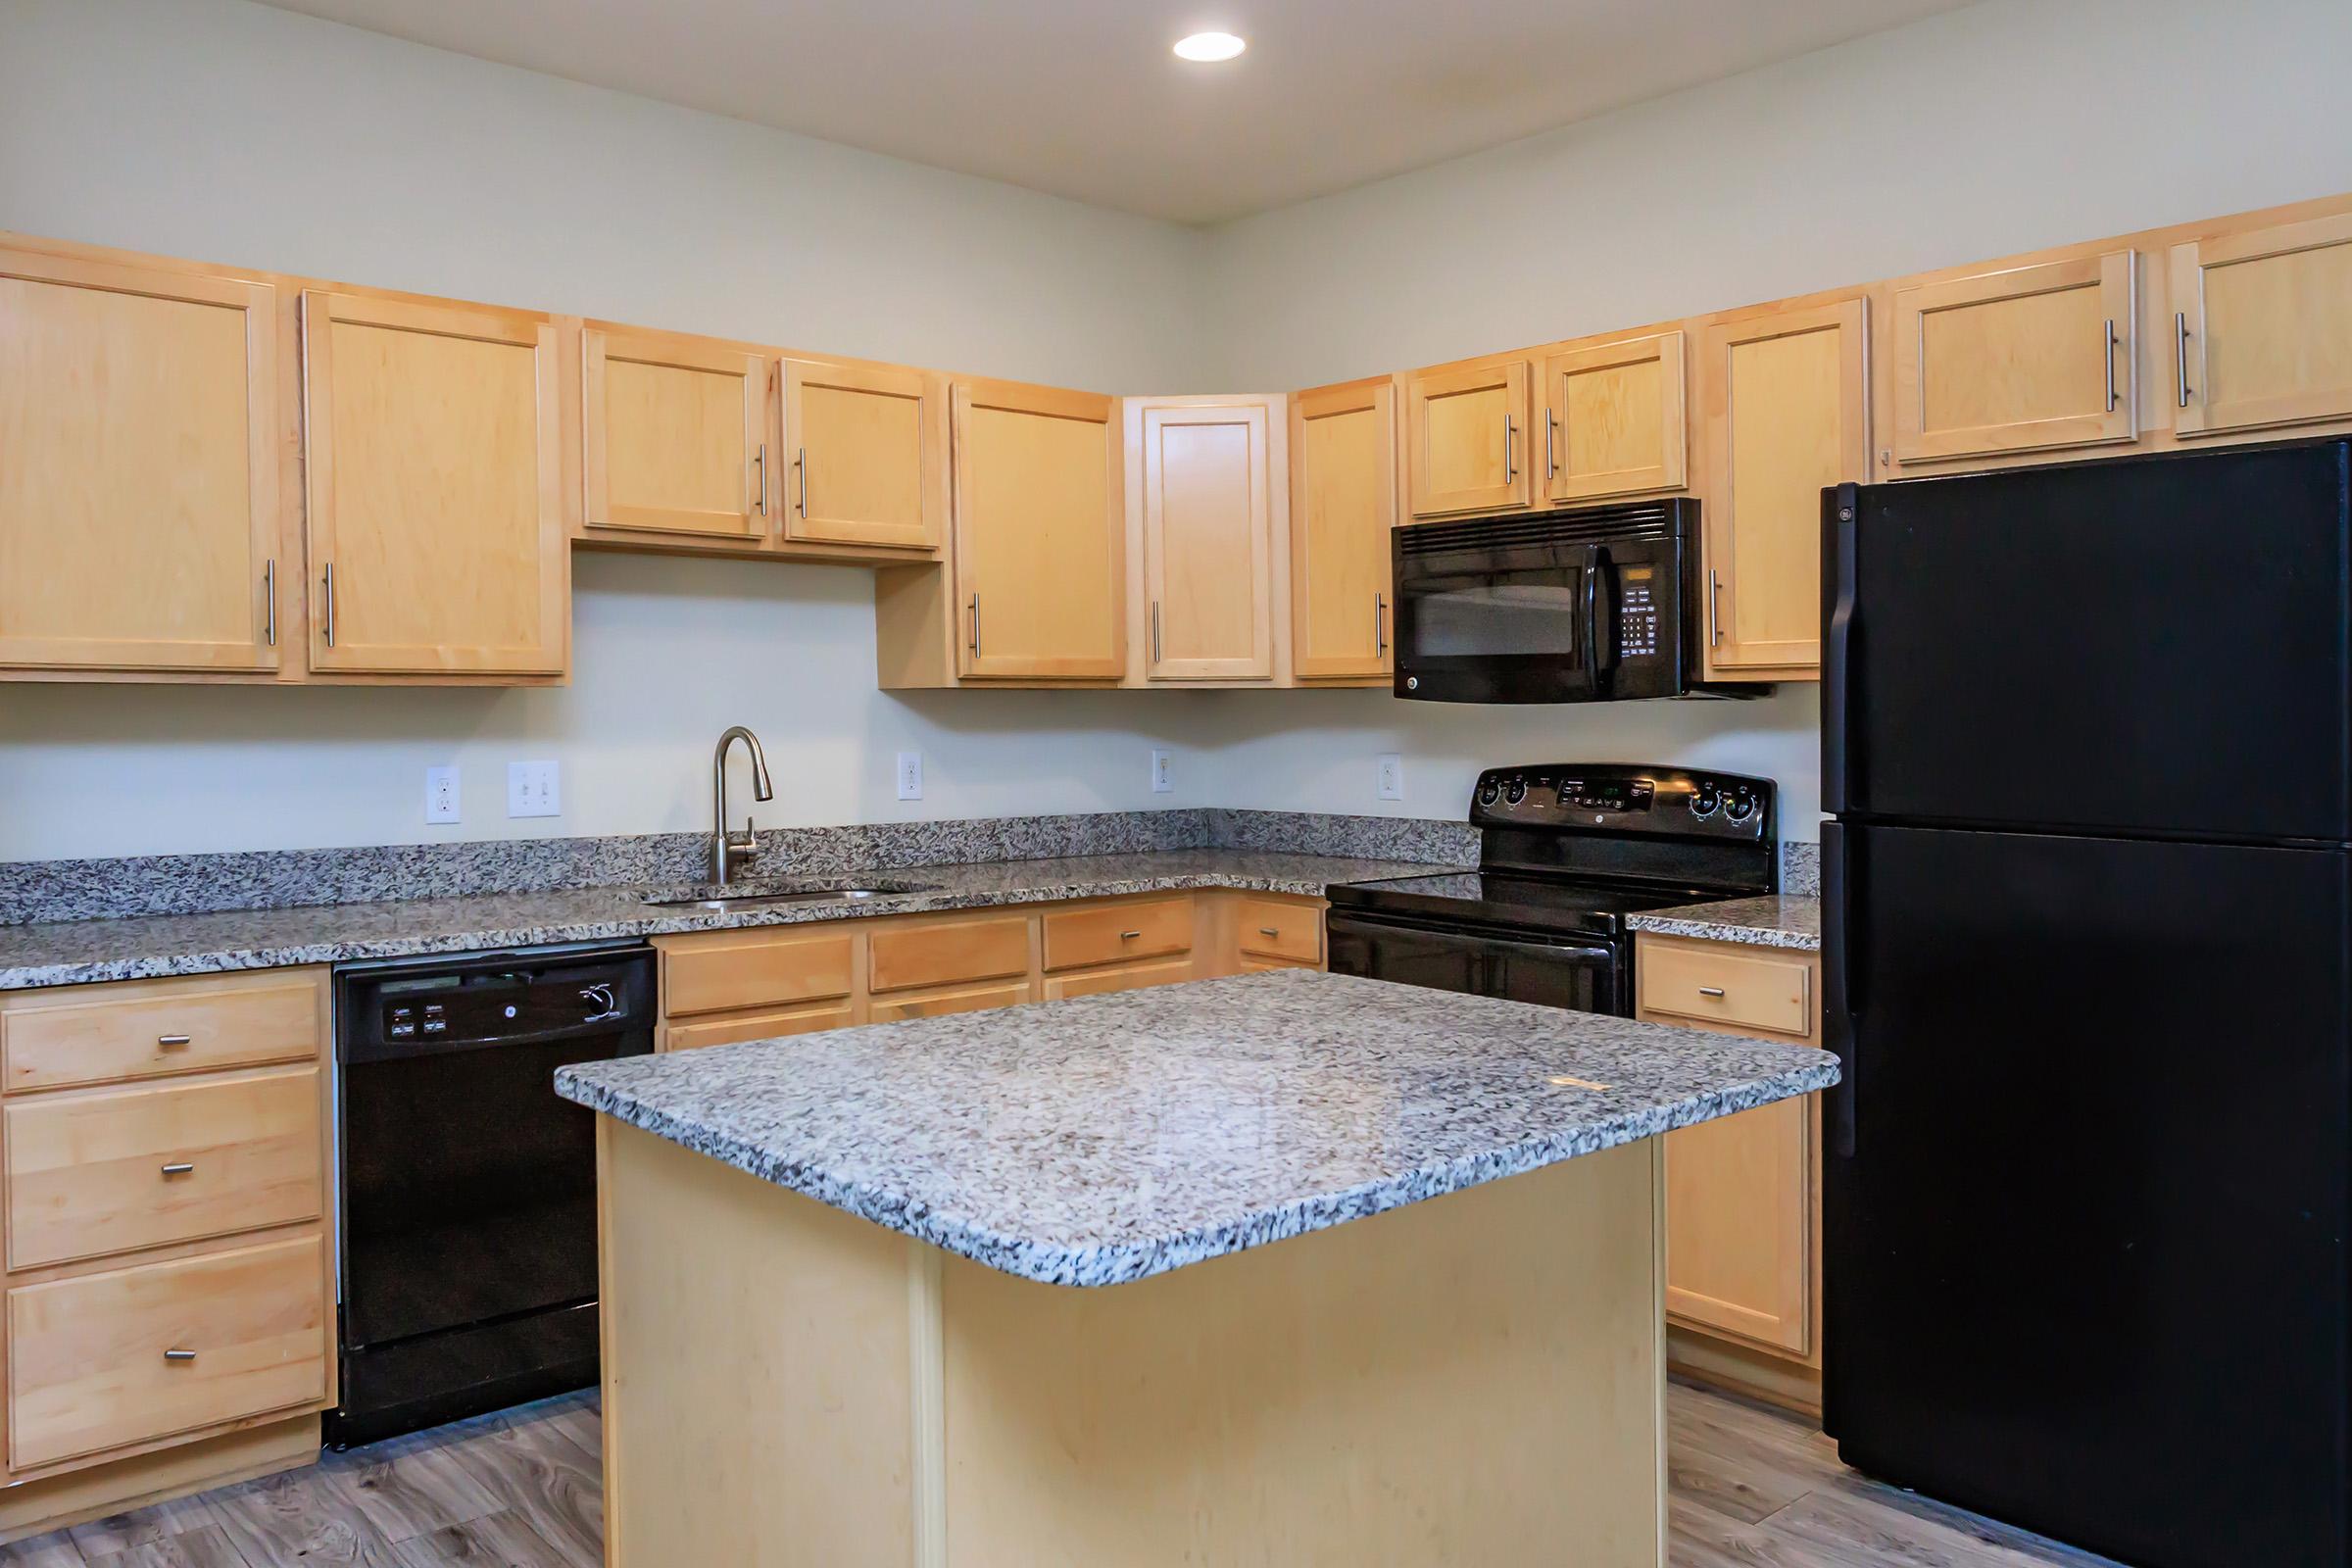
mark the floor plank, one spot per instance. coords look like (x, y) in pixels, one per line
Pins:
(205, 1546)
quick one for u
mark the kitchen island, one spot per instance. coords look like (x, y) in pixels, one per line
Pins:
(1283, 1268)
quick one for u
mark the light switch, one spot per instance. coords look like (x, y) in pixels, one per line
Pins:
(534, 789)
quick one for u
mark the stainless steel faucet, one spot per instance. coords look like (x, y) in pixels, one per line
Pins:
(726, 850)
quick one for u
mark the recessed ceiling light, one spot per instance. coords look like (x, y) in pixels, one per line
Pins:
(1208, 47)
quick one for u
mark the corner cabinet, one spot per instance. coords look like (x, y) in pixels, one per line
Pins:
(1614, 421)
(2261, 321)
(1466, 437)
(1207, 517)
(1343, 511)
(140, 432)
(1784, 404)
(866, 460)
(675, 436)
(1038, 567)
(437, 537)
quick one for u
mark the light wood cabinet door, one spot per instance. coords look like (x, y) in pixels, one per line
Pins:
(676, 436)
(1343, 509)
(1038, 559)
(1119, 977)
(1208, 539)
(436, 520)
(1614, 421)
(865, 458)
(961, 999)
(2262, 328)
(1786, 399)
(783, 1022)
(1466, 435)
(139, 505)
(2030, 358)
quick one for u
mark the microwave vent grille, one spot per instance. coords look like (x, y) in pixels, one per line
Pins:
(1554, 529)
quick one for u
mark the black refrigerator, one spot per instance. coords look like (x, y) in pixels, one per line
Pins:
(2088, 947)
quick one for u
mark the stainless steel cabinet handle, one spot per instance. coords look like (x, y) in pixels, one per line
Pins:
(1129, 936)
(2181, 352)
(1269, 930)
(179, 1168)
(2108, 349)
(975, 625)
(179, 1355)
(169, 1041)
(1710, 990)
(1551, 464)
(801, 466)
(760, 461)
(270, 593)
(331, 604)
(1510, 435)
(1156, 631)
(1380, 623)
(1714, 592)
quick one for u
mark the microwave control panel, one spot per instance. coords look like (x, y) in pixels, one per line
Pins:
(1636, 613)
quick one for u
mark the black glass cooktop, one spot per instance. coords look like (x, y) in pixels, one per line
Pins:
(1498, 899)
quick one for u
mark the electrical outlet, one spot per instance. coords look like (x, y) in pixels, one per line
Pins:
(441, 794)
(911, 775)
(1389, 776)
(1161, 781)
(533, 789)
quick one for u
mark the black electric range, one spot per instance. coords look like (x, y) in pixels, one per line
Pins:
(1567, 851)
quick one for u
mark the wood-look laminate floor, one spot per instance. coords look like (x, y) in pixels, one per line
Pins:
(1749, 1488)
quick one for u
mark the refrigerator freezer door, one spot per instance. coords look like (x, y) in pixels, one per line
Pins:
(2156, 645)
(2087, 1186)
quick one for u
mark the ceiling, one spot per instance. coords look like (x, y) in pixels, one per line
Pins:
(1081, 98)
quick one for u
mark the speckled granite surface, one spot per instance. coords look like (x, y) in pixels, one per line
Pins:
(1107, 1138)
(1801, 869)
(76, 951)
(1781, 922)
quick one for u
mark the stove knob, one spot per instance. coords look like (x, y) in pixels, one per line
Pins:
(1487, 791)
(1517, 791)
(1703, 800)
(1740, 806)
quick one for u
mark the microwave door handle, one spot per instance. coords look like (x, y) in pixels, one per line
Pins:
(1601, 653)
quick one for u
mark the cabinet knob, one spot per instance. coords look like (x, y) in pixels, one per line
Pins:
(177, 1354)
(179, 1168)
(170, 1041)
(1269, 930)
(1710, 990)
(1129, 936)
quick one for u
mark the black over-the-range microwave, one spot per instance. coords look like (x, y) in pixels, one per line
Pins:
(1596, 605)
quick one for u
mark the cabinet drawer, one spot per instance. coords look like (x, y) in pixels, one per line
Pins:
(755, 969)
(1125, 977)
(106, 1172)
(962, 999)
(935, 953)
(87, 1034)
(757, 1026)
(1272, 930)
(1737, 989)
(1107, 933)
(1260, 966)
(88, 1364)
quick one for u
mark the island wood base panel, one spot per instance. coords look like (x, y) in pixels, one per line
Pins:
(1478, 1378)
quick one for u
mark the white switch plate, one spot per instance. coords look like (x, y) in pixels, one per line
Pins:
(911, 775)
(1162, 780)
(1391, 776)
(441, 794)
(534, 789)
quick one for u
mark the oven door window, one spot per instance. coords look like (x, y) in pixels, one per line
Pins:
(1554, 975)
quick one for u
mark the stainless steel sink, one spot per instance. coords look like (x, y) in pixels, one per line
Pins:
(711, 895)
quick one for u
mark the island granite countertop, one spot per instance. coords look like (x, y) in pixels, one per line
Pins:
(1111, 1137)
(1777, 921)
(147, 947)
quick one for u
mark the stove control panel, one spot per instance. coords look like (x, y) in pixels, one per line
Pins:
(1627, 799)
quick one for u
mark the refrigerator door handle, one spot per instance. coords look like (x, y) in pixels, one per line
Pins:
(1842, 1000)
(1839, 755)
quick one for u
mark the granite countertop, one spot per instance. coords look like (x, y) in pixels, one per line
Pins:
(1111, 1138)
(74, 952)
(1780, 921)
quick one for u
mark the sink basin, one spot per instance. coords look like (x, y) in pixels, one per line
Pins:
(744, 894)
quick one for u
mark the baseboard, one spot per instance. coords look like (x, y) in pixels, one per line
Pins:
(1754, 1374)
(36, 1507)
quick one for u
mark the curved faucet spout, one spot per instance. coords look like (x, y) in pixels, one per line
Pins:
(727, 850)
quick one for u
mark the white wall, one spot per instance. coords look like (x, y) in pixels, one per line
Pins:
(2005, 126)
(237, 133)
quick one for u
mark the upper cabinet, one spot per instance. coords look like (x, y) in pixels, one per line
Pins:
(1613, 419)
(1343, 509)
(1466, 432)
(866, 448)
(676, 436)
(140, 432)
(1784, 398)
(2030, 358)
(1204, 517)
(436, 521)
(1039, 568)
(2262, 327)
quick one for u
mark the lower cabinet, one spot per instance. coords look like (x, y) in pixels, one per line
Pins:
(1743, 1194)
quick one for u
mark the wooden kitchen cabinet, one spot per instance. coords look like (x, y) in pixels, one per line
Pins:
(1743, 1194)
(1466, 437)
(1614, 420)
(437, 532)
(1784, 405)
(1040, 571)
(676, 435)
(2027, 359)
(140, 426)
(1343, 509)
(2261, 321)
(1204, 515)
(865, 455)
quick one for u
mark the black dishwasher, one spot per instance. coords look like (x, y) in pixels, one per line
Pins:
(468, 1189)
